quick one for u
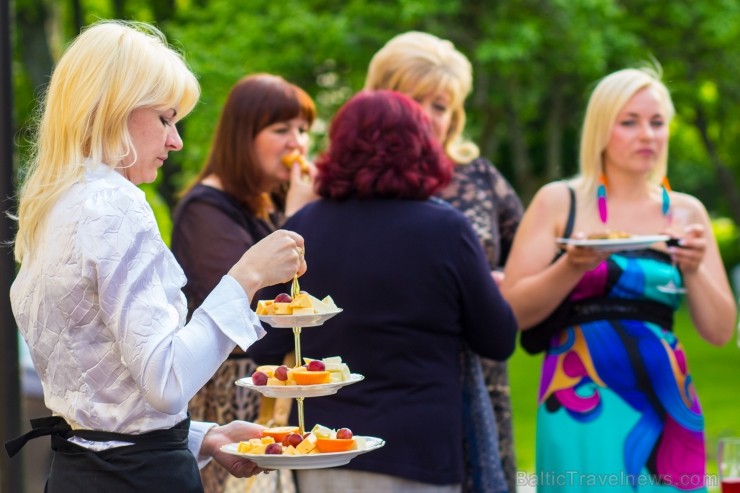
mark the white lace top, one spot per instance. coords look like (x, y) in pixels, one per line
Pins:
(101, 308)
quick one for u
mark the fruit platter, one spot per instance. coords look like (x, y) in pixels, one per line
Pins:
(291, 447)
(284, 447)
(315, 378)
(299, 310)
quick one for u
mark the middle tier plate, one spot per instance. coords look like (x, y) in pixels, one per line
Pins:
(290, 321)
(293, 391)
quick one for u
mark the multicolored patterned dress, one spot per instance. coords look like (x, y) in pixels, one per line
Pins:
(617, 406)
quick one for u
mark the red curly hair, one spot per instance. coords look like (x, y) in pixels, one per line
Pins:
(381, 145)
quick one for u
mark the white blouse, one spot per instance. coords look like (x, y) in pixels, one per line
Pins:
(100, 304)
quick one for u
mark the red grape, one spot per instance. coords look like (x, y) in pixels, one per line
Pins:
(283, 298)
(316, 365)
(281, 373)
(274, 448)
(344, 433)
(259, 378)
(292, 439)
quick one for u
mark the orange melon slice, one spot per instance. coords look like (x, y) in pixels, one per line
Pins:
(279, 432)
(335, 444)
(310, 377)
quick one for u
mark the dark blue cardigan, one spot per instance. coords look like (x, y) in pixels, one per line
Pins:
(414, 283)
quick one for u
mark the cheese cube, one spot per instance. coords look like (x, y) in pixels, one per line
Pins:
(259, 449)
(303, 311)
(329, 302)
(264, 307)
(321, 307)
(307, 445)
(301, 301)
(282, 308)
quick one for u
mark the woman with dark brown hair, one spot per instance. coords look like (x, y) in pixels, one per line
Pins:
(242, 194)
(413, 281)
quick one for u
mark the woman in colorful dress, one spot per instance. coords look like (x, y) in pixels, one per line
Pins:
(617, 404)
(433, 72)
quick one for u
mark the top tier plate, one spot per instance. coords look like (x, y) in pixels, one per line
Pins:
(616, 244)
(288, 321)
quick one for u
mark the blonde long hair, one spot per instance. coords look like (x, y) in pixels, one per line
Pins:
(608, 98)
(418, 64)
(110, 69)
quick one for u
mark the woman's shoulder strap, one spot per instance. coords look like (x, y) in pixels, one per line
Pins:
(571, 212)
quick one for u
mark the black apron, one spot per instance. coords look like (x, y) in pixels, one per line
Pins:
(157, 462)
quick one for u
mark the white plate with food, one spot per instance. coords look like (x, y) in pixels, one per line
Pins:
(288, 321)
(308, 461)
(293, 391)
(615, 244)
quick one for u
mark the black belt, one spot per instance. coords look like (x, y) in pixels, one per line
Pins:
(157, 461)
(170, 439)
(538, 338)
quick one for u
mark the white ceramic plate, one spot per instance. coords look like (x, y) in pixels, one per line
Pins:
(632, 243)
(310, 461)
(294, 391)
(288, 321)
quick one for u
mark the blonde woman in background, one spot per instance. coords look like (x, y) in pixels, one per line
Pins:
(616, 398)
(433, 72)
(98, 296)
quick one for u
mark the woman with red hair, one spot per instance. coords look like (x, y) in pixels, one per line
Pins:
(414, 283)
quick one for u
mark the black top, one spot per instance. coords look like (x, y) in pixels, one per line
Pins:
(414, 283)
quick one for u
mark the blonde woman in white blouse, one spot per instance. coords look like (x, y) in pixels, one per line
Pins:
(98, 296)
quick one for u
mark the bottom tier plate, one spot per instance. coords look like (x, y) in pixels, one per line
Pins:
(310, 461)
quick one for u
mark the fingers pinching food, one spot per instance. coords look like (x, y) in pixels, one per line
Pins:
(272, 260)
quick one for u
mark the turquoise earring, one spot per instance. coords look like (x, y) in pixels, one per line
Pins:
(666, 196)
(601, 197)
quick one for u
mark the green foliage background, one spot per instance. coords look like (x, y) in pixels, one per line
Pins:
(535, 62)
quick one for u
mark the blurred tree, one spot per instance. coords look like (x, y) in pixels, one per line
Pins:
(702, 70)
(535, 62)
